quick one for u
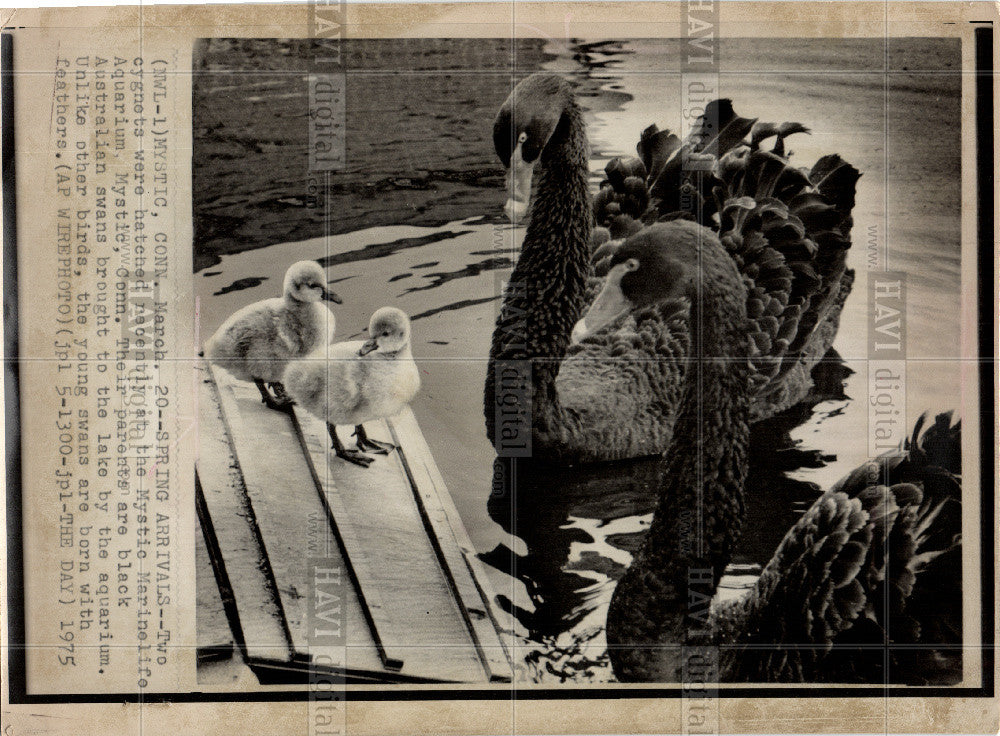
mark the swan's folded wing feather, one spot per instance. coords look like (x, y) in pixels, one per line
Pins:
(875, 561)
(789, 231)
(812, 590)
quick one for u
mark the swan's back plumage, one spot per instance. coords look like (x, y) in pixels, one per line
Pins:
(616, 396)
(874, 563)
(787, 229)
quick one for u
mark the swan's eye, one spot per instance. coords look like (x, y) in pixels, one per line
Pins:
(523, 137)
(631, 264)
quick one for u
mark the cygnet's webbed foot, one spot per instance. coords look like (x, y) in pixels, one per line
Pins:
(355, 456)
(352, 456)
(280, 394)
(279, 400)
(366, 443)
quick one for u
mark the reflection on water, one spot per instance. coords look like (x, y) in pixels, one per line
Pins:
(437, 278)
(556, 540)
(241, 284)
(384, 250)
(579, 527)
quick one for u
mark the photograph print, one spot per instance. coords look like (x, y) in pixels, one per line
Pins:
(542, 361)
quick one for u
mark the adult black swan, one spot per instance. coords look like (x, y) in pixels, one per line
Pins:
(865, 587)
(616, 395)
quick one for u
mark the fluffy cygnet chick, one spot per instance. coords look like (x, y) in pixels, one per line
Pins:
(256, 343)
(355, 382)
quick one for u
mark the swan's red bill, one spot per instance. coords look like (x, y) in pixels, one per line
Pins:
(332, 297)
(368, 346)
(518, 186)
(609, 305)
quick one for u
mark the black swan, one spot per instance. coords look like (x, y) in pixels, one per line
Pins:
(872, 568)
(615, 396)
(575, 523)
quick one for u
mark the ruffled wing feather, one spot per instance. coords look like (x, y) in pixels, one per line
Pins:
(871, 569)
(788, 230)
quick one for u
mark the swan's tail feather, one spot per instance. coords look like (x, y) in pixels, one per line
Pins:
(719, 129)
(934, 608)
(655, 147)
(940, 445)
(762, 131)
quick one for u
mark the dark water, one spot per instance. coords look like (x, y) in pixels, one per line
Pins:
(556, 540)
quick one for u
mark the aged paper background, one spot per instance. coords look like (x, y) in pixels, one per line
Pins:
(169, 33)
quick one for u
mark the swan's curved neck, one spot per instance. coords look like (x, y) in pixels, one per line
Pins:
(546, 290)
(664, 597)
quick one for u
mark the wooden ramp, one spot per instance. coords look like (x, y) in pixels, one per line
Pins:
(276, 506)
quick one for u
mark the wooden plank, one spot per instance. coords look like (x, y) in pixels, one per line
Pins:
(418, 617)
(260, 625)
(267, 485)
(423, 612)
(457, 555)
(384, 625)
(287, 507)
(271, 673)
(214, 637)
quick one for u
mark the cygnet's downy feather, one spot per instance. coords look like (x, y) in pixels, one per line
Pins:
(358, 381)
(256, 343)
